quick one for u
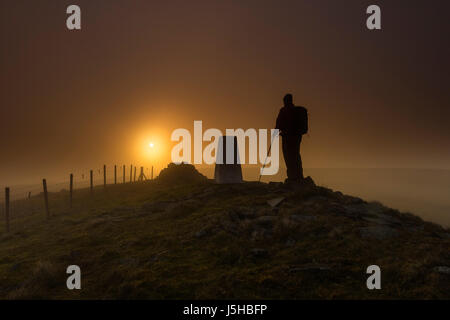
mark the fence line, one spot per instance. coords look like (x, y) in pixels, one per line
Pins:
(10, 205)
(44, 183)
(7, 208)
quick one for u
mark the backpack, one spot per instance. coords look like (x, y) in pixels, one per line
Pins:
(302, 120)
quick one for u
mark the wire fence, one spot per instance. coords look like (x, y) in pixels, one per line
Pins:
(18, 200)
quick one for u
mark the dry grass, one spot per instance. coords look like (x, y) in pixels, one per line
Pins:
(203, 241)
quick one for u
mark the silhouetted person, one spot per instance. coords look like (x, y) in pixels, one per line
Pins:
(292, 122)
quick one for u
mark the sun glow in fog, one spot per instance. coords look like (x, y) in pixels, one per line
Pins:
(151, 148)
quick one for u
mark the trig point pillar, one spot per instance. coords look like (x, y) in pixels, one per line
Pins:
(228, 169)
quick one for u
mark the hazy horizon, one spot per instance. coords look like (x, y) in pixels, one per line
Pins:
(72, 101)
(423, 192)
(137, 70)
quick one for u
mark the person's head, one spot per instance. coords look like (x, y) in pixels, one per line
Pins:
(288, 100)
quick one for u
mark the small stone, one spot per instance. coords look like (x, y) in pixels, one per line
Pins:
(309, 181)
(302, 218)
(378, 232)
(266, 221)
(15, 267)
(382, 219)
(275, 184)
(230, 227)
(335, 232)
(276, 201)
(131, 262)
(293, 211)
(310, 267)
(264, 211)
(182, 207)
(123, 209)
(442, 235)
(245, 212)
(157, 206)
(290, 243)
(442, 269)
(201, 233)
(286, 222)
(206, 194)
(260, 234)
(356, 210)
(75, 254)
(258, 252)
(415, 228)
(337, 209)
(353, 200)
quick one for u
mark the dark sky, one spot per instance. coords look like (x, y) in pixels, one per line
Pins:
(139, 69)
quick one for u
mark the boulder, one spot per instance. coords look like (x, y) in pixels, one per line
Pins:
(182, 173)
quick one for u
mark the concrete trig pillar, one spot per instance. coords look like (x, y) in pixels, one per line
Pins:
(228, 169)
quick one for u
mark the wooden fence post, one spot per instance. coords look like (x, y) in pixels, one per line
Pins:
(131, 173)
(123, 176)
(141, 175)
(92, 181)
(44, 183)
(7, 208)
(115, 174)
(152, 172)
(134, 173)
(104, 175)
(71, 189)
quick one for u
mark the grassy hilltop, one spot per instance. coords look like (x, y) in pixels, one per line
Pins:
(182, 236)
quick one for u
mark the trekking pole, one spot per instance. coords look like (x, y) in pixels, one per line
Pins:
(268, 151)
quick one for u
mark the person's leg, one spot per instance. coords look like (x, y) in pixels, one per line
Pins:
(293, 156)
(285, 147)
(295, 160)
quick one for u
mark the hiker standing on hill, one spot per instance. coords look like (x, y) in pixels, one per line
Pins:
(292, 122)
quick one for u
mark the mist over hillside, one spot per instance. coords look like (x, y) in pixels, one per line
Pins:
(182, 236)
(424, 192)
(420, 191)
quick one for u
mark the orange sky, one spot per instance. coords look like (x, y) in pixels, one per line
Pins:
(139, 69)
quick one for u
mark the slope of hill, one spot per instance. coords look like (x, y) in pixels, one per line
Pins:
(199, 240)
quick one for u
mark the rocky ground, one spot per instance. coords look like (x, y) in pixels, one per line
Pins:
(198, 240)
